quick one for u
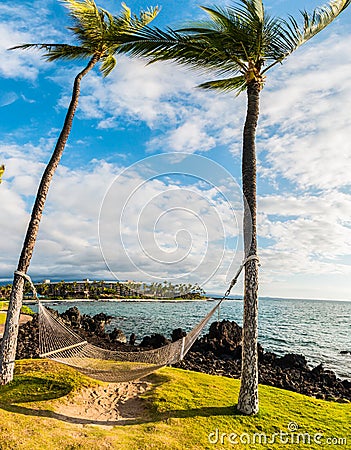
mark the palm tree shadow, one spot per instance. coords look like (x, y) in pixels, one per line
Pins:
(17, 409)
(27, 394)
(145, 418)
(26, 389)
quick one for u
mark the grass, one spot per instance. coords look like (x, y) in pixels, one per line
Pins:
(2, 317)
(4, 305)
(183, 409)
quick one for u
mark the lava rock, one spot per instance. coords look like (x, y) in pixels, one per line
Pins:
(132, 339)
(72, 317)
(218, 353)
(292, 361)
(118, 335)
(177, 334)
(154, 341)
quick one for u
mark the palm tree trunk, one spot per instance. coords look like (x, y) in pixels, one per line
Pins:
(248, 396)
(9, 341)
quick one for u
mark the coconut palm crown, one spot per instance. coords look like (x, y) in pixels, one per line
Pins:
(92, 28)
(238, 44)
(240, 41)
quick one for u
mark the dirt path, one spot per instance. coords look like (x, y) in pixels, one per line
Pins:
(110, 404)
(24, 318)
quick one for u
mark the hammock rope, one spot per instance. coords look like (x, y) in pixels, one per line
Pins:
(60, 343)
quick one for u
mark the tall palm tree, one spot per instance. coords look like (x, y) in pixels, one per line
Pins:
(91, 28)
(238, 44)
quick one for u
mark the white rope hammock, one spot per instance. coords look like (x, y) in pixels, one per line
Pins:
(59, 343)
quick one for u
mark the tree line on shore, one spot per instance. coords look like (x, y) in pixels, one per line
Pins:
(96, 290)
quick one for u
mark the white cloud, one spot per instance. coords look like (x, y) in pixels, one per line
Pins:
(169, 230)
(308, 234)
(306, 105)
(28, 22)
(16, 64)
(164, 96)
(164, 229)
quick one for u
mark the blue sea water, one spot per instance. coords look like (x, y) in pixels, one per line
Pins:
(318, 329)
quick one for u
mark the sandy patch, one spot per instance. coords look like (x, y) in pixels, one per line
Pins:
(24, 318)
(111, 404)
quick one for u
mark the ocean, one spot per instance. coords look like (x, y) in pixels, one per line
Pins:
(318, 329)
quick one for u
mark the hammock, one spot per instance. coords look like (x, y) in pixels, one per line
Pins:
(59, 343)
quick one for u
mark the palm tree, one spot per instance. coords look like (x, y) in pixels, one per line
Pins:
(92, 27)
(238, 44)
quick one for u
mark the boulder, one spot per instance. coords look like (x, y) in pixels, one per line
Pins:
(218, 352)
(154, 341)
(177, 334)
(132, 339)
(292, 361)
(118, 336)
(95, 324)
(72, 317)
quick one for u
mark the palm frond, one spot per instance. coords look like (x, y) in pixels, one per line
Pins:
(219, 17)
(93, 28)
(128, 22)
(147, 16)
(315, 22)
(108, 64)
(276, 42)
(237, 28)
(257, 8)
(237, 84)
(247, 11)
(158, 45)
(89, 22)
(57, 51)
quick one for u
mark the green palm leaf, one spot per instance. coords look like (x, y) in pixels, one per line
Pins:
(237, 84)
(93, 28)
(108, 64)
(237, 40)
(296, 35)
(57, 51)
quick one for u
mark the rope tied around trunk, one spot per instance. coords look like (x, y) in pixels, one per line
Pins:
(235, 279)
(28, 278)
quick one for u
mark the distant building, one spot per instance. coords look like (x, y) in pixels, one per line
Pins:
(85, 288)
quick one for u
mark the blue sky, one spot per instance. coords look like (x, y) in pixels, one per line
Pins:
(176, 215)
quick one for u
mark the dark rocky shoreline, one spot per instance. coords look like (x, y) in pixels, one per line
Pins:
(217, 353)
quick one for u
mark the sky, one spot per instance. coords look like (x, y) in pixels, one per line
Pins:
(148, 188)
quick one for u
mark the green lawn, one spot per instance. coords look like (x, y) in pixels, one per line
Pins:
(3, 308)
(2, 318)
(185, 410)
(3, 305)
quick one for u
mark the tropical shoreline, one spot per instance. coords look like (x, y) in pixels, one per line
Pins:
(218, 353)
(118, 300)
